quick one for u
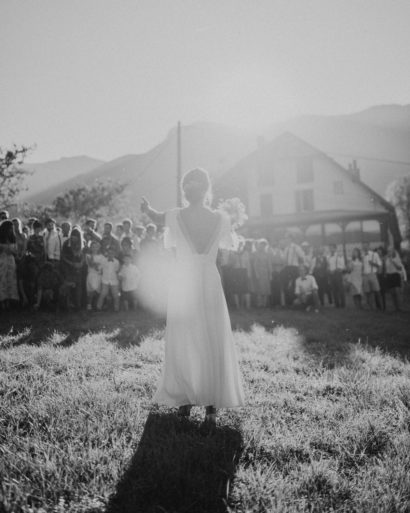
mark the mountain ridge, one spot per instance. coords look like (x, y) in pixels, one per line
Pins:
(377, 138)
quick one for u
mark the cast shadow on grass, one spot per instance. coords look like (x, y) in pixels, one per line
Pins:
(178, 468)
(123, 329)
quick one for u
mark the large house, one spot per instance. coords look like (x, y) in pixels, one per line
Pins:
(288, 185)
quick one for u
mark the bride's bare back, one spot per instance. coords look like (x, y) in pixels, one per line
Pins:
(200, 224)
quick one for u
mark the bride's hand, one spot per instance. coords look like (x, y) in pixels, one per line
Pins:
(144, 205)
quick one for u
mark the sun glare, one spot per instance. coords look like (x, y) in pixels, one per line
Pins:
(250, 98)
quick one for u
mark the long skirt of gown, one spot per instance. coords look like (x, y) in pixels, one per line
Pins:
(201, 364)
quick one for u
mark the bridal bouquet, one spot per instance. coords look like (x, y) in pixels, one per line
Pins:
(236, 211)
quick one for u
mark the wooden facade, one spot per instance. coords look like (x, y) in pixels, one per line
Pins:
(288, 185)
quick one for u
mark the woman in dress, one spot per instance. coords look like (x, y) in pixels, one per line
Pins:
(394, 271)
(262, 268)
(201, 365)
(8, 275)
(356, 277)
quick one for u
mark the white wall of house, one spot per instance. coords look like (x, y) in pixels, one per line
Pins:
(333, 189)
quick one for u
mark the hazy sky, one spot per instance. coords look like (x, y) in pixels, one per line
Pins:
(110, 77)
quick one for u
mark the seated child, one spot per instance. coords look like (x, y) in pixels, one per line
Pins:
(306, 290)
(129, 276)
(109, 279)
(94, 261)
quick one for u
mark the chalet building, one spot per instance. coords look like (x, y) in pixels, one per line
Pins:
(288, 185)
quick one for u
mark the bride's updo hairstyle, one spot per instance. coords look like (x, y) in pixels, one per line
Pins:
(196, 186)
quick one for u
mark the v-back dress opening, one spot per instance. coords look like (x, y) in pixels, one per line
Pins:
(201, 364)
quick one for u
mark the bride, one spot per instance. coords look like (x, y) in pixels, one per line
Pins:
(201, 365)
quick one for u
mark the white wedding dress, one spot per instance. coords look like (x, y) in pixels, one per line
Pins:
(201, 364)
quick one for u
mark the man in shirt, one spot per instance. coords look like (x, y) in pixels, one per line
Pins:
(127, 226)
(52, 243)
(65, 231)
(109, 241)
(371, 286)
(306, 290)
(336, 267)
(90, 233)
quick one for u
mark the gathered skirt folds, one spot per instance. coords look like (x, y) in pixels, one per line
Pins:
(201, 364)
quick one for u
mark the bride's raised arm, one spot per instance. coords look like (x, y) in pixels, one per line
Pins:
(154, 215)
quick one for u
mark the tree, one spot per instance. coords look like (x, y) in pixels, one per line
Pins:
(99, 199)
(398, 194)
(11, 175)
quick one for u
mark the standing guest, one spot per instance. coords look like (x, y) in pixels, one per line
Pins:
(381, 278)
(109, 281)
(65, 231)
(90, 233)
(139, 234)
(26, 230)
(306, 290)
(336, 268)
(223, 263)
(30, 223)
(21, 246)
(150, 240)
(127, 226)
(34, 260)
(234, 277)
(149, 263)
(294, 257)
(201, 366)
(278, 264)
(307, 254)
(4, 214)
(119, 231)
(94, 260)
(8, 275)
(262, 268)
(356, 277)
(245, 258)
(371, 286)
(320, 270)
(109, 241)
(127, 249)
(72, 264)
(394, 269)
(21, 238)
(52, 243)
(129, 276)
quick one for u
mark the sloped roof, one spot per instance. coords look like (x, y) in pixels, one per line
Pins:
(285, 138)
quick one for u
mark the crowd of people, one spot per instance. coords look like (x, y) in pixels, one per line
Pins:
(285, 274)
(72, 267)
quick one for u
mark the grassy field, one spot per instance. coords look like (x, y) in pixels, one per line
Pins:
(326, 426)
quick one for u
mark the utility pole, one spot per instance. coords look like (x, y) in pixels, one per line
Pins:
(179, 165)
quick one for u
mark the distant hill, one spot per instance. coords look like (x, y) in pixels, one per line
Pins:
(212, 146)
(378, 138)
(47, 174)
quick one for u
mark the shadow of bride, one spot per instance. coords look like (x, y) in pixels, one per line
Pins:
(178, 468)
